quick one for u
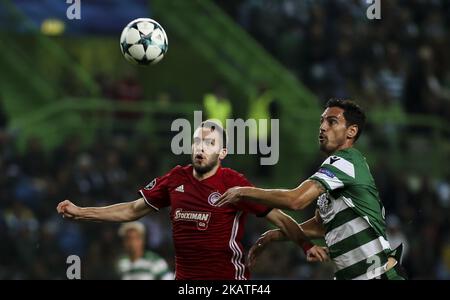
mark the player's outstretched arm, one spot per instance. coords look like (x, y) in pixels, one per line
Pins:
(294, 199)
(121, 212)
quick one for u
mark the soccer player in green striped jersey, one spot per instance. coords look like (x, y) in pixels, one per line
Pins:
(349, 215)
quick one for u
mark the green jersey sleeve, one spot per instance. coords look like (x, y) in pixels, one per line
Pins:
(335, 172)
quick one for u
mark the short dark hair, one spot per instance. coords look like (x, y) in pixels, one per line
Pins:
(353, 113)
(213, 126)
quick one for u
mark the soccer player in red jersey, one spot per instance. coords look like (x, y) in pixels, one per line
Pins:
(207, 238)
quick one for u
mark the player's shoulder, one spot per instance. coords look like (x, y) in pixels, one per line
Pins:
(346, 160)
(228, 172)
(177, 168)
(123, 261)
(232, 177)
(349, 155)
(123, 257)
(152, 256)
(180, 170)
(173, 176)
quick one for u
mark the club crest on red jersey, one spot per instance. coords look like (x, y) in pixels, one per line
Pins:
(213, 197)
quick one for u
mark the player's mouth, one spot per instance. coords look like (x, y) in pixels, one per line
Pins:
(322, 138)
(199, 157)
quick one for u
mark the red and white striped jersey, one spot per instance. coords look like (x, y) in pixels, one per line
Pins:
(207, 238)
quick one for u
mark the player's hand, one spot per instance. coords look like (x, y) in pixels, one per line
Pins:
(232, 195)
(256, 250)
(317, 254)
(68, 210)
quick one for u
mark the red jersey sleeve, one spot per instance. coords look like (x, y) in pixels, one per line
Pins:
(156, 193)
(248, 206)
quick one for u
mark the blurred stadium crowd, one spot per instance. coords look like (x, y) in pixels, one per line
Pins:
(402, 61)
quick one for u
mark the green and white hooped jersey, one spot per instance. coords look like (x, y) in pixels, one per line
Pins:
(149, 267)
(353, 216)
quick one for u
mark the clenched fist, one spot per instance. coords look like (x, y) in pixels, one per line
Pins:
(68, 210)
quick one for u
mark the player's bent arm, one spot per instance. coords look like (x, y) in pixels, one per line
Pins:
(310, 229)
(121, 212)
(294, 199)
(313, 228)
(288, 227)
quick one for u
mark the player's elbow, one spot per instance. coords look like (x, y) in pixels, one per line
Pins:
(131, 217)
(298, 203)
(128, 213)
(137, 209)
(297, 206)
(133, 214)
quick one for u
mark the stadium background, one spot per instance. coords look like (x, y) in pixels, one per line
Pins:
(78, 122)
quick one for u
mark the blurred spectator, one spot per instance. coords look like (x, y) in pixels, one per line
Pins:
(67, 152)
(217, 106)
(139, 264)
(88, 178)
(128, 90)
(23, 226)
(392, 76)
(262, 109)
(443, 266)
(34, 160)
(115, 175)
(106, 85)
(423, 85)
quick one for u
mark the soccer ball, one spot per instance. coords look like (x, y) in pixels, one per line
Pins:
(143, 41)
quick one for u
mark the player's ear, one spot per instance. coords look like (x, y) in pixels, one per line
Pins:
(223, 153)
(352, 131)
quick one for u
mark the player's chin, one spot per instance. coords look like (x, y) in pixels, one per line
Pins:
(326, 147)
(201, 168)
(198, 164)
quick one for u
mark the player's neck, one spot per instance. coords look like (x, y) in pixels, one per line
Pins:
(136, 255)
(206, 175)
(347, 145)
